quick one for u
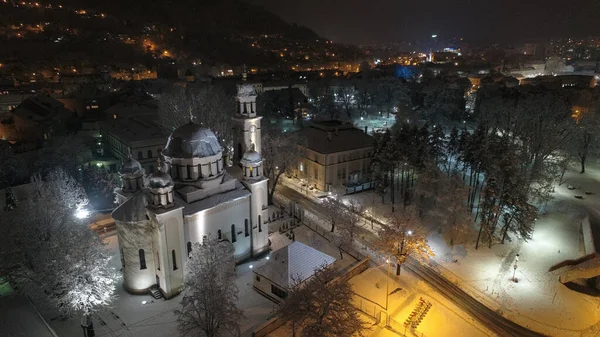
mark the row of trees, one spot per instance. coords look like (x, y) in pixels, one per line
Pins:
(524, 142)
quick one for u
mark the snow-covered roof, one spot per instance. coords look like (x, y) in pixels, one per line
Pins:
(192, 141)
(296, 260)
(194, 207)
(132, 210)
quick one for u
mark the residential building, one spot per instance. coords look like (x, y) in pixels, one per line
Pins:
(336, 153)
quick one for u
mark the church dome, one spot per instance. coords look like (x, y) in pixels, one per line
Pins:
(192, 141)
(251, 157)
(161, 178)
(131, 166)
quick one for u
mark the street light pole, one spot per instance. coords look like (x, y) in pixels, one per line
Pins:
(387, 285)
(515, 268)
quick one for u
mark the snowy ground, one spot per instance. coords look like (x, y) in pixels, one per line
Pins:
(538, 300)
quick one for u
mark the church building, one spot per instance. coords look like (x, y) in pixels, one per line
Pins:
(191, 196)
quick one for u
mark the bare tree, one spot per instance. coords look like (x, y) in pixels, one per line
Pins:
(209, 300)
(323, 307)
(345, 97)
(404, 235)
(584, 140)
(389, 93)
(280, 152)
(208, 106)
(349, 225)
(67, 152)
(334, 212)
(53, 256)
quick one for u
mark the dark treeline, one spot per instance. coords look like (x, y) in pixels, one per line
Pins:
(521, 142)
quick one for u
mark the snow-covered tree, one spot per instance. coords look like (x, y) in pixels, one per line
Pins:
(50, 254)
(208, 306)
(404, 235)
(349, 225)
(322, 307)
(335, 210)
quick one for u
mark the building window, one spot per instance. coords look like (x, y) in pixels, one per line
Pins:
(140, 155)
(278, 291)
(189, 248)
(149, 153)
(259, 224)
(174, 259)
(233, 234)
(257, 278)
(142, 259)
(247, 233)
(219, 234)
(151, 168)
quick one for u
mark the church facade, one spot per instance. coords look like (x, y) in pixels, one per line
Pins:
(191, 196)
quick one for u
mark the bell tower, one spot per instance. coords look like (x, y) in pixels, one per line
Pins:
(246, 124)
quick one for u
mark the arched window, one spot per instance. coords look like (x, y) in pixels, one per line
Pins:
(149, 153)
(140, 156)
(246, 227)
(174, 259)
(219, 235)
(142, 259)
(233, 234)
(259, 224)
(189, 247)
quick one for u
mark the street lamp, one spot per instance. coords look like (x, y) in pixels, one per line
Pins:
(387, 282)
(401, 249)
(515, 267)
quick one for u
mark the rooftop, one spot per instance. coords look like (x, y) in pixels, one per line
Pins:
(295, 261)
(335, 136)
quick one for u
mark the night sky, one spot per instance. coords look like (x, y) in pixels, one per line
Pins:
(382, 21)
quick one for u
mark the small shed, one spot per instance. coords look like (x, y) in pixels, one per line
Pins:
(295, 261)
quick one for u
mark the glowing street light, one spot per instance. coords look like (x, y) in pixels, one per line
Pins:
(82, 213)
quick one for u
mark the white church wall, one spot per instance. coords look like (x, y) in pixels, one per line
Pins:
(221, 217)
(260, 230)
(172, 249)
(138, 269)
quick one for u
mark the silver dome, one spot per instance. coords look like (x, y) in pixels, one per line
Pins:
(192, 141)
(161, 178)
(131, 166)
(251, 157)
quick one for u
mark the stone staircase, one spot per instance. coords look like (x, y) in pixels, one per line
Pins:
(155, 292)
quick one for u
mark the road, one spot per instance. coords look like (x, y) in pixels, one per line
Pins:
(486, 316)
